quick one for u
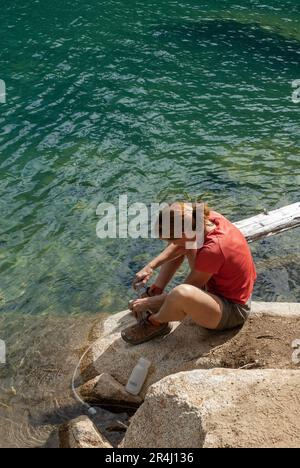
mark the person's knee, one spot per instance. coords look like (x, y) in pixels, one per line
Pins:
(182, 292)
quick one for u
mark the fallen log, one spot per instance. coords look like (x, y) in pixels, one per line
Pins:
(270, 223)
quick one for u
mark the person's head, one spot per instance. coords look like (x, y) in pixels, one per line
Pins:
(179, 222)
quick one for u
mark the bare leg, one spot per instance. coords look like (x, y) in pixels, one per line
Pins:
(185, 300)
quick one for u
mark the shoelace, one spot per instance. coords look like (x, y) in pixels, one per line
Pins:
(144, 321)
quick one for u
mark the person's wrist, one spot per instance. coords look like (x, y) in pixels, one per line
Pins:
(154, 290)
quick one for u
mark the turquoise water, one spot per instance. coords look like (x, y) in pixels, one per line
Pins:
(149, 98)
(152, 99)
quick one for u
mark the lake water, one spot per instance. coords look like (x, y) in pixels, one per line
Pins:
(152, 99)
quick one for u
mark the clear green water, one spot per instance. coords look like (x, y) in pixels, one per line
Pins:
(148, 98)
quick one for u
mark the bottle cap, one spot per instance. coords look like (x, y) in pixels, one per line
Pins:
(144, 362)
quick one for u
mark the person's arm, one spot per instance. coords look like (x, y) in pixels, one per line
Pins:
(198, 278)
(170, 253)
(167, 271)
(207, 263)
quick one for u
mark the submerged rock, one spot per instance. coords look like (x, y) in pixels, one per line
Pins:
(81, 433)
(220, 408)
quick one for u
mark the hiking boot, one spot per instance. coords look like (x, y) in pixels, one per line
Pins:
(144, 331)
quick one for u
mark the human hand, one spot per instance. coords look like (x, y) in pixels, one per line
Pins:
(138, 307)
(149, 304)
(142, 276)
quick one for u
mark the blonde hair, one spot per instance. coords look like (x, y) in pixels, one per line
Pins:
(173, 210)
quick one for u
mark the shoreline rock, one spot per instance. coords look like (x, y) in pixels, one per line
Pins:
(264, 342)
(81, 433)
(197, 393)
(106, 389)
(219, 408)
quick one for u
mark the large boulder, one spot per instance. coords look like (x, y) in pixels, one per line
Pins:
(220, 408)
(264, 342)
(81, 433)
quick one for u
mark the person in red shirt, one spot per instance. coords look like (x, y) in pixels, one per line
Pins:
(217, 292)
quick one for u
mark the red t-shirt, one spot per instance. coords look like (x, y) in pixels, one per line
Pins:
(227, 256)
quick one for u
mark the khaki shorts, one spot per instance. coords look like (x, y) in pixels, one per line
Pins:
(234, 315)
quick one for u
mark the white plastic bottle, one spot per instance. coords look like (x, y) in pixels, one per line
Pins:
(138, 376)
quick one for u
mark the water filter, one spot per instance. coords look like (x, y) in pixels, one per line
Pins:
(141, 289)
(138, 376)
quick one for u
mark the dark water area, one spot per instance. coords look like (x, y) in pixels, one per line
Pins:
(150, 99)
